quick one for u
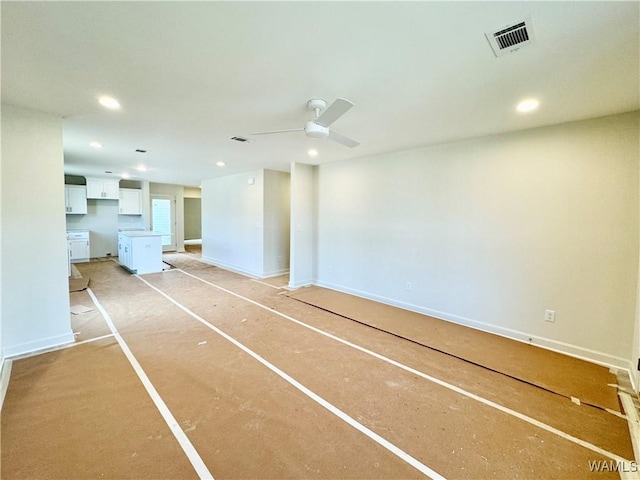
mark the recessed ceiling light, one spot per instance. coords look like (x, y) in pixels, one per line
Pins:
(528, 105)
(95, 144)
(312, 153)
(125, 175)
(109, 102)
(141, 168)
(220, 163)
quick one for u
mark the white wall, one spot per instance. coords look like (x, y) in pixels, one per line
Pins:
(277, 207)
(35, 293)
(303, 225)
(1, 269)
(232, 216)
(245, 222)
(492, 231)
(635, 356)
(102, 222)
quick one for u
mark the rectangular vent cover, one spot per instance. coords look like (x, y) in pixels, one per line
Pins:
(240, 139)
(511, 38)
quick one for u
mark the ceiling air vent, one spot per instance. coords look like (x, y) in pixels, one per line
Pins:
(240, 139)
(511, 38)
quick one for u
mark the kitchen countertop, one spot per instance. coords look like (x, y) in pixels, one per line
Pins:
(141, 233)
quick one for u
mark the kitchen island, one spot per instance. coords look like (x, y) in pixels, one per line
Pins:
(140, 251)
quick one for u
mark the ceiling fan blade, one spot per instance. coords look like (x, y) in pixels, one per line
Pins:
(333, 112)
(336, 137)
(279, 131)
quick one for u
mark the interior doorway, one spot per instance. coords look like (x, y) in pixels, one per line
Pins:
(163, 220)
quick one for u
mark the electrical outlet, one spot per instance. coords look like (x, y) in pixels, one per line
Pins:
(407, 286)
(549, 315)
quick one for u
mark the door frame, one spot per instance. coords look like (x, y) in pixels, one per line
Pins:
(172, 199)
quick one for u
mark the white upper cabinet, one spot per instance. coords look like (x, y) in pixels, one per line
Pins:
(130, 201)
(102, 188)
(75, 197)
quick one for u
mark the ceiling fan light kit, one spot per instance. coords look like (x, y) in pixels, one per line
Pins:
(313, 130)
(324, 116)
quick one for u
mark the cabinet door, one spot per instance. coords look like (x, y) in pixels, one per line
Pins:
(111, 189)
(76, 197)
(78, 250)
(94, 189)
(130, 202)
(124, 251)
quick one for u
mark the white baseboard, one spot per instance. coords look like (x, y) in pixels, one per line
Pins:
(634, 377)
(593, 356)
(5, 374)
(294, 285)
(37, 345)
(230, 267)
(276, 273)
(241, 270)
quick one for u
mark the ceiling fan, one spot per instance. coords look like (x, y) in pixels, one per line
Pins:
(324, 116)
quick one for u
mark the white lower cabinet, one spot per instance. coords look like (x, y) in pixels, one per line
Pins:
(78, 245)
(140, 252)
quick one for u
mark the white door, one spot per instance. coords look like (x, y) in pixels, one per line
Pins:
(163, 215)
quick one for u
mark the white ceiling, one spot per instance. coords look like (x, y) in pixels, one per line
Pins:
(190, 75)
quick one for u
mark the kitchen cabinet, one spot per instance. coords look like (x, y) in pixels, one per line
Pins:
(140, 252)
(78, 243)
(130, 201)
(75, 197)
(102, 188)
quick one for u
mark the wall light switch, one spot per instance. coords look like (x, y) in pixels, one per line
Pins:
(252, 180)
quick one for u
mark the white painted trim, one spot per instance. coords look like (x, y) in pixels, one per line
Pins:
(243, 271)
(5, 376)
(632, 372)
(59, 347)
(437, 381)
(188, 448)
(593, 356)
(633, 420)
(231, 268)
(38, 345)
(296, 285)
(276, 273)
(415, 463)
